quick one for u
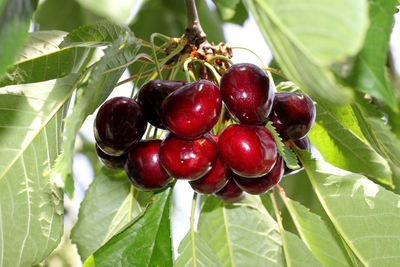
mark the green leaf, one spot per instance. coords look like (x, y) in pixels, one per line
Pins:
(226, 8)
(296, 252)
(287, 154)
(365, 214)
(241, 234)
(145, 242)
(57, 14)
(103, 77)
(118, 11)
(319, 236)
(105, 195)
(306, 37)
(31, 205)
(341, 147)
(368, 73)
(42, 60)
(15, 16)
(205, 256)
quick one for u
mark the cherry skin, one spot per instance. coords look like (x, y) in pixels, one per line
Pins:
(119, 124)
(143, 166)
(151, 96)
(246, 93)
(257, 186)
(192, 110)
(293, 115)
(302, 143)
(249, 151)
(213, 180)
(230, 192)
(113, 162)
(188, 159)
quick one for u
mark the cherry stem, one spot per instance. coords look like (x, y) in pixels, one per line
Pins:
(279, 220)
(152, 37)
(212, 59)
(194, 200)
(194, 32)
(132, 190)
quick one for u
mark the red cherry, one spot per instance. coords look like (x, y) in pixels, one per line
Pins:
(246, 93)
(143, 166)
(151, 96)
(118, 125)
(113, 162)
(188, 159)
(250, 151)
(192, 110)
(230, 192)
(257, 186)
(213, 180)
(293, 115)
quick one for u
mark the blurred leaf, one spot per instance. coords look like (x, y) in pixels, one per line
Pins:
(344, 149)
(145, 242)
(241, 15)
(306, 43)
(368, 74)
(64, 15)
(287, 154)
(363, 213)
(118, 11)
(319, 236)
(31, 205)
(42, 60)
(205, 256)
(105, 195)
(102, 78)
(226, 8)
(15, 16)
(241, 234)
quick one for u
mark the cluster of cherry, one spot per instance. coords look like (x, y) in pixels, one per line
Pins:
(243, 157)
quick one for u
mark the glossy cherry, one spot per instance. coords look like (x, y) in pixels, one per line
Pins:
(118, 125)
(213, 180)
(246, 93)
(192, 110)
(302, 143)
(257, 186)
(188, 159)
(230, 192)
(151, 96)
(143, 166)
(113, 162)
(250, 151)
(293, 115)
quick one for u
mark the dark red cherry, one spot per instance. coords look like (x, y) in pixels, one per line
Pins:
(143, 166)
(113, 162)
(230, 192)
(302, 143)
(213, 180)
(192, 110)
(250, 151)
(188, 159)
(118, 125)
(152, 94)
(260, 185)
(246, 93)
(293, 115)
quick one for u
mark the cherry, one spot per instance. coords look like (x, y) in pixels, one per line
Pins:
(293, 115)
(192, 110)
(118, 125)
(113, 162)
(246, 93)
(143, 166)
(151, 95)
(302, 143)
(250, 151)
(188, 159)
(230, 192)
(257, 186)
(213, 180)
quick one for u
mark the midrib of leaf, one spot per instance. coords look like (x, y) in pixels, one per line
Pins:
(49, 117)
(228, 235)
(331, 217)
